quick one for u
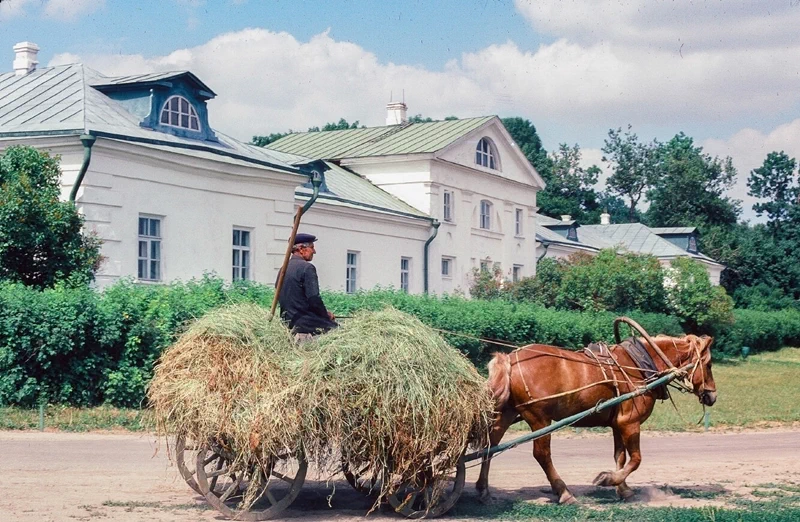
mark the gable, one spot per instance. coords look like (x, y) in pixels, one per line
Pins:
(509, 162)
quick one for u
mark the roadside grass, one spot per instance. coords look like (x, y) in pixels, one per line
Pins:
(65, 418)
(759, 391)
(776, 503)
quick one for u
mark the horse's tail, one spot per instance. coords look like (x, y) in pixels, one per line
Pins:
(500, 379)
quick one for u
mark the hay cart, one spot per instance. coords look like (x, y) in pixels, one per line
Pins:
(206, 468)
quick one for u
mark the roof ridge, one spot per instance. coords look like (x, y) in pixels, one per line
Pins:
(394, 129)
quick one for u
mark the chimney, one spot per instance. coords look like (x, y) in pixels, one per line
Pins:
(566, 217)
(605, 218)
(396, 113)
(25, 60)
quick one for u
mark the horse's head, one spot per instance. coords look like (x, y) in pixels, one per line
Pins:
(702, 379)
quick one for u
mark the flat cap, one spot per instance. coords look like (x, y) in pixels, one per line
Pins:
(304, 238)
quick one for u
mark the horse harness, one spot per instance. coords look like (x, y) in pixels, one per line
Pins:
(604, 357)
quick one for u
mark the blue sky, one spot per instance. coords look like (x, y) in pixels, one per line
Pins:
(726, 73)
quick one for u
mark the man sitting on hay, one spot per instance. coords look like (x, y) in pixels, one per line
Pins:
(301, 305)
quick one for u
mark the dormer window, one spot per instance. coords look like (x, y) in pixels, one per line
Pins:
(486, 154)
(692, 245)
(178, 112)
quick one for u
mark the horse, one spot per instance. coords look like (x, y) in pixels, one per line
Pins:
(542, 383)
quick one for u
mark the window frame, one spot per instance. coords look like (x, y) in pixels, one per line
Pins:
(516, 273)
(519, 216)
(150, 239)
(351, 273)
(451, 264)
(405, 274)
(485, 218)
(190, 113)
(486, 154)
(448, 200)
(246, 266)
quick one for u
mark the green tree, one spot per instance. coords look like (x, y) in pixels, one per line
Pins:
(342, 124)
(263, 141)
(632, 163)
(688, 187)
(776, 180)
(40, 236)
(570, 187)
(524, 134)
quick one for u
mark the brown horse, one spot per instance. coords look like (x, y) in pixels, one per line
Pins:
(541, 383)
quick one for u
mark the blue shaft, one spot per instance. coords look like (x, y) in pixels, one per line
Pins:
(603, 405)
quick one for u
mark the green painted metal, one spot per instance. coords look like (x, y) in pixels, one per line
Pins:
(87, 140)
(603, 405)
(414, 138)
(435, 226)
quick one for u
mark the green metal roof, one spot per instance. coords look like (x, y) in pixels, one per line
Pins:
(636, 237)
(345, 188)
(407, 138)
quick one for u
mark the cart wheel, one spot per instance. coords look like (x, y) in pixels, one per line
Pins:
(358, 477)
(276, 486)
(413, 501)
(185, 456)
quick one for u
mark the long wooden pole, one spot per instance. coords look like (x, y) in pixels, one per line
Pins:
(287, 255)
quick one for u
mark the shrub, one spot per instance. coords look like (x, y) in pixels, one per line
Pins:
(701, 306)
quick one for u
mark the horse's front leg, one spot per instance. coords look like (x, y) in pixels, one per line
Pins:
(630, 439)
(623, 491)
(499, 427)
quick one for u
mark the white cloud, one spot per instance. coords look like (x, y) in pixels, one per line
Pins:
(13, 8)
(71, 9)
(749, 148)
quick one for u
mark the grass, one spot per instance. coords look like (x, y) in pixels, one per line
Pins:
(65, 418)
(776, 502)
(761, 390)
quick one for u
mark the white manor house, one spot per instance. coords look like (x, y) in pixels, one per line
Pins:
(415, 206)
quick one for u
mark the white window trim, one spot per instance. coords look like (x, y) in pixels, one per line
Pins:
(451, 265)
(516, 268)
(191, 114)
(354, 267)
(519, 221)
(149, 239)
(448, 208)
(405, 272)
(488, 214)
(241, 249)
(489, 155)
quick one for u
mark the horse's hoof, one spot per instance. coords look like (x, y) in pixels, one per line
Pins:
(483, 495)
(626, 495)
(604, 479)
(567, 499)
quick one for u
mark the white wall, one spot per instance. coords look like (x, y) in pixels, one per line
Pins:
(380, 241)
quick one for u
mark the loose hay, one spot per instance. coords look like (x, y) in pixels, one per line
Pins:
(382, 392)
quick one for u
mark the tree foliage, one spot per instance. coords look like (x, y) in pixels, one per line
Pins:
(632, 163)
(776, 181)
(342, 124)
(689, 186)
(570, 187)
(701, 306)
(41, 242)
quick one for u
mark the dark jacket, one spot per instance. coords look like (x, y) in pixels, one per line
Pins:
(301, 306)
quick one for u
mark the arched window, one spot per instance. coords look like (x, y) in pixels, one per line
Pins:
(486, 154)
(178, 112)
(486, 215)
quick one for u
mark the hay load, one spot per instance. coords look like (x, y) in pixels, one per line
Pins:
(390, 393)
(382, 393)
(225, 379)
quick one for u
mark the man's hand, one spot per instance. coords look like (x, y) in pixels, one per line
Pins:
(331, 316)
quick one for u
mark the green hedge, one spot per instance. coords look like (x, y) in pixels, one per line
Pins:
(81, 347)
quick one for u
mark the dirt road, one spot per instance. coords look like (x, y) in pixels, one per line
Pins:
(92, 477)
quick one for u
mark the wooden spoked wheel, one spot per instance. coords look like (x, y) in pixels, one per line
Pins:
(433, 498)
(360, 478)
(186, 459)
(271, 487)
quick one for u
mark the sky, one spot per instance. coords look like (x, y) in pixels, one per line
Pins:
(725, 72)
